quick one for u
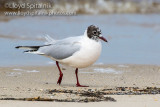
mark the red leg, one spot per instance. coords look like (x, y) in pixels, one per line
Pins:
(78, 84)
(60, 74)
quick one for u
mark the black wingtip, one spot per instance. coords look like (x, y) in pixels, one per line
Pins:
(17, 47)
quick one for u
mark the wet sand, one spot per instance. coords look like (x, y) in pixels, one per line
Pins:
(108, 85)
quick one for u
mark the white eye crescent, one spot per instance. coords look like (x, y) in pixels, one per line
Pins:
(94, 32)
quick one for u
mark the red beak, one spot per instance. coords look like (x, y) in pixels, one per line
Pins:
(104, 39)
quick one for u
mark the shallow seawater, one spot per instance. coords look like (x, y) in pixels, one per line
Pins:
(133, 38)
(9, 55)
(22, 70)
(104, 70)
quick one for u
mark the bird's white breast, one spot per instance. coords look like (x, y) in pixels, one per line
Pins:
(86, 56)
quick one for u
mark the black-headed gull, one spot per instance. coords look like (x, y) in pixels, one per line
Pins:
(78, 52)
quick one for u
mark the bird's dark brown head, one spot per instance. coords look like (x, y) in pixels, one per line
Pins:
(93, 32)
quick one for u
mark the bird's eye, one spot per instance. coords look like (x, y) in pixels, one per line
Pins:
(94, 32)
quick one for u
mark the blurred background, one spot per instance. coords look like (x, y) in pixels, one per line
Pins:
(132, 28)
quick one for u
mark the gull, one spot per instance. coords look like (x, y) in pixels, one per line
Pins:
(77, 52)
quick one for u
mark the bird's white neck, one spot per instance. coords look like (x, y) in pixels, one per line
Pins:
(85, 33)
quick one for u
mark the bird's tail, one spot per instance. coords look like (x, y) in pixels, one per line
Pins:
(31, 49)
(34, 49)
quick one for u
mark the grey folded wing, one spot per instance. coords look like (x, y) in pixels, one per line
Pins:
(60, 49)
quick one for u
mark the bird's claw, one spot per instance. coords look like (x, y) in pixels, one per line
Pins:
(60, 79)
(78, 85)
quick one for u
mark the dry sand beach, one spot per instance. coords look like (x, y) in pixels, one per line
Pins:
(113, 85)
